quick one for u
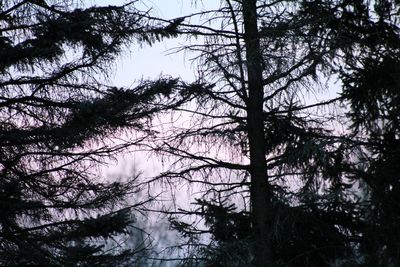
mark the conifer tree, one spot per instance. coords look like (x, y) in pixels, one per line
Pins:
(364, 37)
(324, 223)
(56, 116)
(254, 136)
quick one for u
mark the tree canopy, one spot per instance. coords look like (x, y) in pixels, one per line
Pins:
(57, 118)
(285, 168)
(283, 180)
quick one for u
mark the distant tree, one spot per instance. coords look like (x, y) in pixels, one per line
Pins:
(56, 117)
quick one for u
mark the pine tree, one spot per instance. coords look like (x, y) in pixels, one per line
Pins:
(254, 136)
(56, 117)
(364, 37)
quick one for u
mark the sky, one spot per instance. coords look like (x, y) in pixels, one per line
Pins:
(152, 61)
(149, 62)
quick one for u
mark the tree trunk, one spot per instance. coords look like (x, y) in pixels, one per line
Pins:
(260, 189)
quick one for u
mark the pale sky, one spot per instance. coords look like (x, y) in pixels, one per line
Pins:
(151, 62)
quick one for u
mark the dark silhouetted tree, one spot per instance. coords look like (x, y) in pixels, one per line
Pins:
(56, 121)
(364, 36)
(255, 140)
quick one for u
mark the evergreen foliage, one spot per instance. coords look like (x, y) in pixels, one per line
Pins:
(368, 42)
(277, 183)
(331, 194)
(55, 119)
